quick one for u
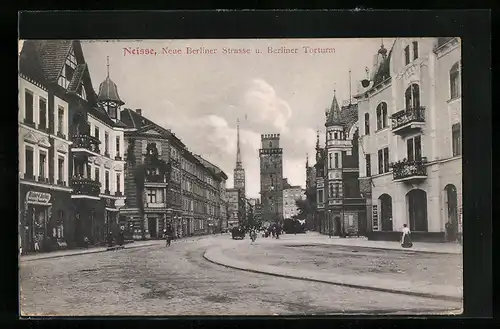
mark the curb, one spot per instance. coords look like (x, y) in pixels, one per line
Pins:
(83, 253)
(349, 285)
(380, 248)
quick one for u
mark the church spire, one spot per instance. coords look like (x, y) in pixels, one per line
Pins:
(307, 160)
(107, 64)
(238, 152)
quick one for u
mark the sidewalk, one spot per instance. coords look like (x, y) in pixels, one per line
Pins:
(92, 250)
(421, 289)
(313, 238)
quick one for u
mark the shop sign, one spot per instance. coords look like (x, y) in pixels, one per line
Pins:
(375, 218)
(38, 197)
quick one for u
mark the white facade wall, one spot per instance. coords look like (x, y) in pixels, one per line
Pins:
(431, 72)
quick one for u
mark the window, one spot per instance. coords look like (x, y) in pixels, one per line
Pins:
(337, 193)
(330, 161)
(118, 183)
(106, 143)
(382, 116)
(106, 180)
(330, 135)
(117, 145)
(456, 139)
(368, 163)
(336, 160)
(455, 81)
(81, 92)
(60, 119)
(28, 106)
(60, 168)
(414, 148)
(412, 96)
(97, 174)
(383, 160)
(367, 124)
(415, 50)
(407, 55)
(42, 163)
(28, 158)
(336, 135)
(96, 133)
(112, 111)
(42, 107)
(320, 196)
(152, 196)
(270, 144)
(331, 190)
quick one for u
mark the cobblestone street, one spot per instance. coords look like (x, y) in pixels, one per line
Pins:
(178, 281)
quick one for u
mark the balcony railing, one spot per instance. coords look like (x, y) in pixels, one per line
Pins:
(405, 170)
(408, 118)
(86, 142)
(155, 179)
(85, 186)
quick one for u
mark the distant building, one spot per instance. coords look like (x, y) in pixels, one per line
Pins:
(271, 178)
(236, 207)
(290, 195)
(239, 171)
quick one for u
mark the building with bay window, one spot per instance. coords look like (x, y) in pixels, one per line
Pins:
(410, 145)
(83, 139)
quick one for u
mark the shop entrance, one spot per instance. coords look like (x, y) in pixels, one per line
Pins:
(37, 218)
(152, 228)
(417, 210)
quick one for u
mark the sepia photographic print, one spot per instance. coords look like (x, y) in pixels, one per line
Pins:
(240, 177)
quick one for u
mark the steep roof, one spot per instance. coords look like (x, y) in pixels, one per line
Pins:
(333, 115)
(108, 91)
(383, 71)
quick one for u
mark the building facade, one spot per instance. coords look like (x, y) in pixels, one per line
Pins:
(290, 195)
(411, 164)
(71, 113)
(341, 210)
(311, 218)
(271, 178)
(236, 207)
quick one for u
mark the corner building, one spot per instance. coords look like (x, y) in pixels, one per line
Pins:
(411, 163)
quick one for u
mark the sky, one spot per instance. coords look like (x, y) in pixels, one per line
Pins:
(200, 97)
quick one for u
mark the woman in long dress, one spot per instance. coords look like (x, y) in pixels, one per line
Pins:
(405, 239)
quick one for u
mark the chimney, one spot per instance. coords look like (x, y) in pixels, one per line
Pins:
(139, 111)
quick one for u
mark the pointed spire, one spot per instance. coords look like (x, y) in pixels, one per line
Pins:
(307, 160)
(107, 64)
(238, 152)
(317, 139)
(333, 115)
(350, 94)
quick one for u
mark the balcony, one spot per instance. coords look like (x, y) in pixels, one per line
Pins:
(408, 120)
(85, 187)
(118, 158)
(409, 170)
(155, 180)
(86, 143)
(156, 205)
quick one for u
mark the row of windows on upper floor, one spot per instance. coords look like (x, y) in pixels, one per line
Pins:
(47, 120)
(36, 165)
(412, 100)
(413, 151)
(95, 132)
(85, 170)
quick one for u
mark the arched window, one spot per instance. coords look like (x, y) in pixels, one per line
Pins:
(270, 144)
(367, 124)
(382, 115)
(455, 81)
(412, 96)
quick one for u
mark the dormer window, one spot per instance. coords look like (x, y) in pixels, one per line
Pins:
(68, 70)
(112, 110)
(81, 92)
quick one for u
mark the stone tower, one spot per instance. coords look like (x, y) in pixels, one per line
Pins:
(271, 178)
(239, 171)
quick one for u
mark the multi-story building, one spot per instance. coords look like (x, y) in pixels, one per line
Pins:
(148, 173)
(410, 168)
(44, 192)
(341, 210)
(72, 110)
(257, 213)
(236, 205)
(311, 189)
(290, 195)
(271, 178)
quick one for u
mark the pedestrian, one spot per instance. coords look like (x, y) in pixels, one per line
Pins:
(37, 242)
(330, 233)
(86, 242)
(405, 238)
(110, 239)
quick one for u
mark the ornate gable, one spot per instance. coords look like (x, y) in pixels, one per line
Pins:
(44, 142)
(30, 138)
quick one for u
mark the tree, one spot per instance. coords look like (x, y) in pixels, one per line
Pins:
(307, 207)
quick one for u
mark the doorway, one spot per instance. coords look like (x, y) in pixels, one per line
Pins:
(417, 210)
(386, 212)
(152, 228)
(452, 209)
(338, 226)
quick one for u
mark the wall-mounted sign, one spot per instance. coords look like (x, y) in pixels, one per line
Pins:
(38, 197)
(375, 217)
